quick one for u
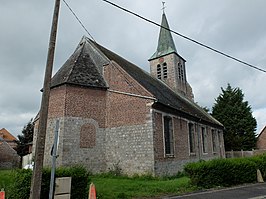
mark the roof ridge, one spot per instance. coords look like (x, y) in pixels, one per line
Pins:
(76, 60)
(160, 90)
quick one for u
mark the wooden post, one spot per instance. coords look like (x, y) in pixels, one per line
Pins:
(40, 143)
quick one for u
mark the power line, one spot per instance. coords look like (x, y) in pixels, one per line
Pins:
(185, 37)
(78, 20)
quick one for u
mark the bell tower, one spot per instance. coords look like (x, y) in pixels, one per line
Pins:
(167, 65)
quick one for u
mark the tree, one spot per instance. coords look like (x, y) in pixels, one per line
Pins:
(25, 139)
(236, 116)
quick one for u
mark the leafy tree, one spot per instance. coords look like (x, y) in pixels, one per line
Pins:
(236, 116)
(25, 139)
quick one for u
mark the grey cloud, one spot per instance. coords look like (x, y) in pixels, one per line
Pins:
(236, 27)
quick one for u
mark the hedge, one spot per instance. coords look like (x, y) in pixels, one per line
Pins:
(79, 182)
(226, 172)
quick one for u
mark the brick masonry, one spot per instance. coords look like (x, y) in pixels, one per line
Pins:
(170, 165)
(173, 80)
(118, 128)
(261, 141)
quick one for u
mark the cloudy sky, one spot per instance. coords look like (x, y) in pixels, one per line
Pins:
(236, 27)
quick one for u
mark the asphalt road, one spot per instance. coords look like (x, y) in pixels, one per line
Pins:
(253, 191)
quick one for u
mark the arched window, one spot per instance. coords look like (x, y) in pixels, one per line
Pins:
(179, 71)
(159, 72)
(87, 136)
(164, 70)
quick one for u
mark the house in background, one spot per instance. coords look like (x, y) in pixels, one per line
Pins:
(261, 140)
(8, 155)
(114, 114)
(8, 138)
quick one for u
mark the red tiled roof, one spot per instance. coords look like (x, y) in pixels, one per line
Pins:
(6, 135)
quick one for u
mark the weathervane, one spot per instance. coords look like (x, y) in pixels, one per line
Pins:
(163, 2)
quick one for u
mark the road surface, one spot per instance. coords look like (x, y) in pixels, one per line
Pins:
(252, 191)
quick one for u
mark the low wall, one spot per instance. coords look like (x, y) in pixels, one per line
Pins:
(238, 154)
(26, 160)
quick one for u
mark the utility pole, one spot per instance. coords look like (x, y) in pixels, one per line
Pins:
(40, 143)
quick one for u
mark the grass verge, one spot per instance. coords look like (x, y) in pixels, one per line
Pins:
(139, 187)
(6, 181)
(110, 186)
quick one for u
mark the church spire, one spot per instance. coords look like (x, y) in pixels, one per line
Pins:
(167, 65)
(166, 43)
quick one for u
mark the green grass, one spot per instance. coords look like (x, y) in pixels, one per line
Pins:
(110, 186)
(6, 180)
(139, 187)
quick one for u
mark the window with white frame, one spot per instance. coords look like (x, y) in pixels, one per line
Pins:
(204, 140)
(214, 141)
(168, 135)
(191, 132)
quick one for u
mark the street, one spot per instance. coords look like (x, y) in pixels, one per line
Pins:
(253, 191)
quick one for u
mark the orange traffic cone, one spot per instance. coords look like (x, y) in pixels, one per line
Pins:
(2, 194)
(92, 192)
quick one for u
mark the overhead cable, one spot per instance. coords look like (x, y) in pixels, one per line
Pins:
(78, 20)
(185, 37)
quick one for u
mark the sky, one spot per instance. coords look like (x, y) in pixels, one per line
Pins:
(235, 27)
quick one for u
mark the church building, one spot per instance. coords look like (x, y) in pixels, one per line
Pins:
(112, 114)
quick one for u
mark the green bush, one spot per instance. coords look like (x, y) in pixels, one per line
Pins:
(79, 182)
(21, 187)
(260, 161)
(223, 172)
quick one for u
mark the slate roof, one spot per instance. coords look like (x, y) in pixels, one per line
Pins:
(6, 135)
(164, 94)
(81, 69)
(84, 68)
(166, 43)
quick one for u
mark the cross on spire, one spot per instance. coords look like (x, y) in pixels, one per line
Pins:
(163, 2)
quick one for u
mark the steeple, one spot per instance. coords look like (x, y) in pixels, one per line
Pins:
(166, 43)
(167, 65)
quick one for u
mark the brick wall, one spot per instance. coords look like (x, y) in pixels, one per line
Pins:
(86, 103)
(124, 109)
(261, 142)
(104, 129)
(77, 108)
(57, 102)
(173, 79)
(171, 164)
(129, 143)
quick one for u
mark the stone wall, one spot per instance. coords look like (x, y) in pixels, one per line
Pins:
(9, 159)
(129, 132)
(70, 150)
(81, 112)
(130, 148)
(93, 157)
